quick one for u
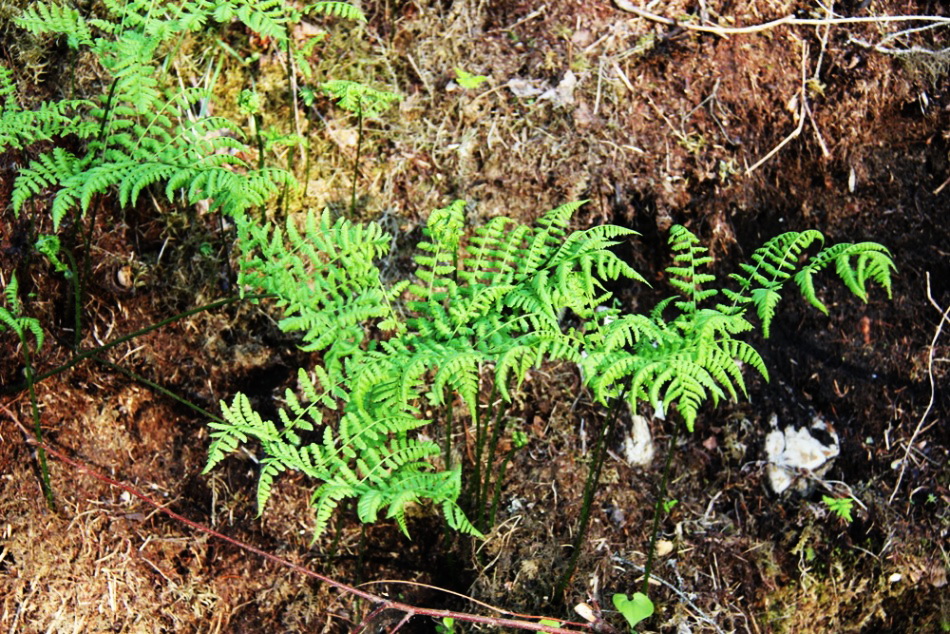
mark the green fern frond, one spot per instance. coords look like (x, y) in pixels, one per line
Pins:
(359, 98)
(41, 18)
(460, 372)
(337, 9)
(52, 169)
(324, 501)
(270, 469)
(684, 276)
(266, 17)
(10, 315)
(855, 264)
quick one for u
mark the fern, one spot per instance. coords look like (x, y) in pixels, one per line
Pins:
(359, 98)
(141, 133)
(493, 300)
(338, 9)
(504, 298)
(43, 18)
(10, 317)
(697, 355)
(779, 260)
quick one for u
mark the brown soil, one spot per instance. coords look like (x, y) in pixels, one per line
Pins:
(661, 128)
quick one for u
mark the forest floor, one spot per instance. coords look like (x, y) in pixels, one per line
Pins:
(654, 125)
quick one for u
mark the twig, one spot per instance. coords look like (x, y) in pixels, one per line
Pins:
(382, 603)
(802, 115)
(816, 76)
(814, 126)
(886, 50)
(942, 185)
(944, 313)
(487, 606)
(527, 18)
(791, 20)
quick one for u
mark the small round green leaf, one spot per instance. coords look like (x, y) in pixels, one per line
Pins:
(634, 610)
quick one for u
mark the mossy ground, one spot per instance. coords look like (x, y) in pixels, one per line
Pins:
(659, 128)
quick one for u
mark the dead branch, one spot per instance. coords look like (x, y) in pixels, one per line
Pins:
(790, 20)
(802, 114)
(944, 314)
(382, 604)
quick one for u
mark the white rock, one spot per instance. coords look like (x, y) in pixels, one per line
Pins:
(791, 451)
(525, 88)
(638, 446)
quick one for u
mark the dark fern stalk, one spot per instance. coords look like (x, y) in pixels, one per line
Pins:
(498, 427)
(46, 486)
(659, 509)
(77, 299)
(590, 488)
(87, 354)
(156, 387)
(449, 408)
(11, 318)
(519, 440)
(356, 159)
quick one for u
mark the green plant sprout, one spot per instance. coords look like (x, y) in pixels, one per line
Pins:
(446, 626)
(467, 80)
(840, 506)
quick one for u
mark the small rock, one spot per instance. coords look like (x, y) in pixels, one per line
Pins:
(615, 514)
(525, 88)
(563, 94)
(638, 446)
(790, 451)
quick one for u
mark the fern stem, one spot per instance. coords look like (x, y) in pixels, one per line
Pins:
(77, 299)
(37, 428)
(158, 388)
(356, 161)
(659, 509)
(258, 122)
(449, 402)
(498, 426)
(496, 497)
(86, 354)
(481, 428)
(590, 487)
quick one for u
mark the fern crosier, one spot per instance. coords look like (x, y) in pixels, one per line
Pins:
(11, 317)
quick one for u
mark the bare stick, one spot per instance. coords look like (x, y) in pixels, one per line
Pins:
(791, 20)
(382, 603)
(802, 114)
(933, 390)
(911, 50)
